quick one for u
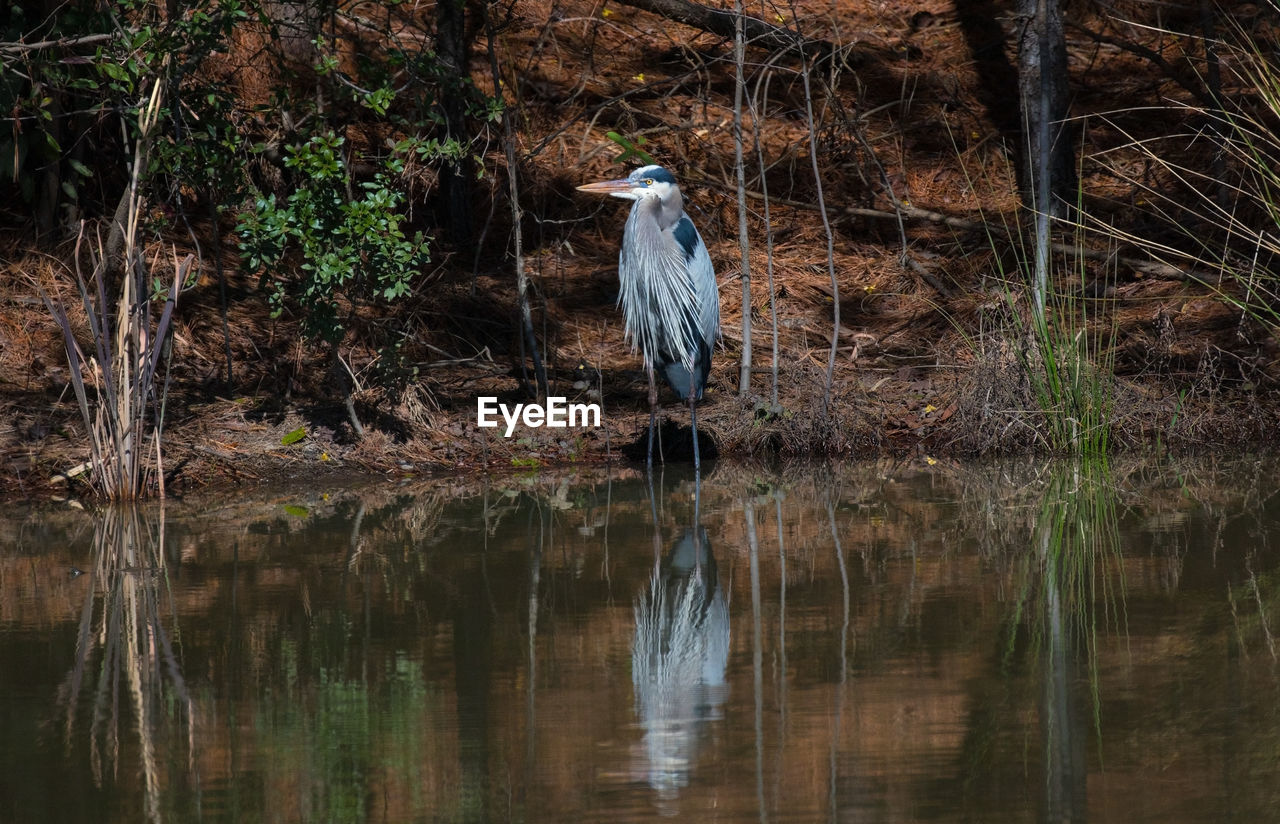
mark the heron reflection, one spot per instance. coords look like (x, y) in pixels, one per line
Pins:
(678, 659)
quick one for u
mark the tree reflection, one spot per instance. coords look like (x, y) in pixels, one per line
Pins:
(678, 657)
(125, 642)
(1074, 533)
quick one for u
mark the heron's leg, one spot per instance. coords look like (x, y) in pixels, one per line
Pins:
(697, 520)
(653, 414)
(653, 511)
(693, 422)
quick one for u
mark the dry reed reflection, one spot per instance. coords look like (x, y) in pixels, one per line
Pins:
(122, 637)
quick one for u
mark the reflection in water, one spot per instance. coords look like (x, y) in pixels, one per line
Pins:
(678, 659)
(837, 711)
(1076, 538)
(131, 644)
(1069, 580)
(1021, 644)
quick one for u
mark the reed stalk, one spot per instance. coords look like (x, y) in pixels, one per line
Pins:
(744, 245)
(127, 342)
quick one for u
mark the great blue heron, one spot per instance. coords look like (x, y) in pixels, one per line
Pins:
(669, 296)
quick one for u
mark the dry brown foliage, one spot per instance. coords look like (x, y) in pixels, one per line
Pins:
(925, 358)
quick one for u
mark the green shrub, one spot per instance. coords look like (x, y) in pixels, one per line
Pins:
(334, 245)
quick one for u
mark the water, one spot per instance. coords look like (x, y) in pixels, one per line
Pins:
(864, 643)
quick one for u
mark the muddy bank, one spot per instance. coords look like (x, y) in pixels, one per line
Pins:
(897, 392)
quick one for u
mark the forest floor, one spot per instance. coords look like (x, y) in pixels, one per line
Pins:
(931, 344)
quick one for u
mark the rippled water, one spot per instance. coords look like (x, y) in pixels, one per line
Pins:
(873, 642)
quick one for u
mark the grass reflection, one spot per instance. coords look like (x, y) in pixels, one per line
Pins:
(1077, 556)
(1254, 605)
(1068, 579)
(333, 741)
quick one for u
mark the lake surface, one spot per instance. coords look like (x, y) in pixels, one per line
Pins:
(881, 642)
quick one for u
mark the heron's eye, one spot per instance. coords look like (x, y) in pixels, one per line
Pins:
(648, 181)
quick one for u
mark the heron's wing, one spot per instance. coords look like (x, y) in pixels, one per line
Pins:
(698, 294)
(706, 290)
(674, 297)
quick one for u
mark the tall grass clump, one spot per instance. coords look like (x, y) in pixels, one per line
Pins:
(1065, 360)
(116, 380)
(1070, 370)
(1060, 339)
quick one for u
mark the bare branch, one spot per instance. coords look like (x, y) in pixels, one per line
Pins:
(61, 42)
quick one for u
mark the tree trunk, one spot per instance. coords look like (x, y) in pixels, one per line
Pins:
(1045, 96)
(456, 177)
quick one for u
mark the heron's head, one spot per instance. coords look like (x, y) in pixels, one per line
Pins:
(647, 181)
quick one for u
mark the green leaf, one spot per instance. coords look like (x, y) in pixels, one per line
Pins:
(296, 511)
(294, 436)
(114, 71)
(630, 148)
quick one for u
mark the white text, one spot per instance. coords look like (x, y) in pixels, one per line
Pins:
(557, 413)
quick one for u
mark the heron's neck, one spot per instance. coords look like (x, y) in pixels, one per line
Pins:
(665, 214)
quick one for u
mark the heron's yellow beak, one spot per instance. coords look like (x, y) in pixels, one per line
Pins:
(607, 187)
